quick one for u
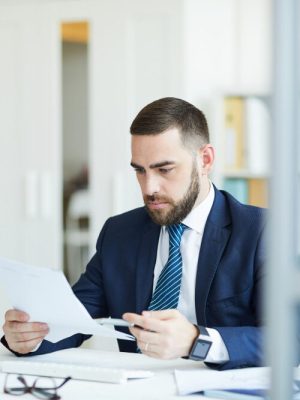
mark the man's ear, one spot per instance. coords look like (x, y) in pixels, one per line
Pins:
(207, 153)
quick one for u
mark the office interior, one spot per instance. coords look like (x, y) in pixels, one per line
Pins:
(74, 73)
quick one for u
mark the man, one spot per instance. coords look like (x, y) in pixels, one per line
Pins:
(186, 269)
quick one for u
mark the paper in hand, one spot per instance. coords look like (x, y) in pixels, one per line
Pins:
(46, 296)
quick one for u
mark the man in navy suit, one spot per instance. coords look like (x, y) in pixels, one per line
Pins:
(221, 254)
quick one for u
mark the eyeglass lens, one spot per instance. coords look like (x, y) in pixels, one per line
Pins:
(42, 388)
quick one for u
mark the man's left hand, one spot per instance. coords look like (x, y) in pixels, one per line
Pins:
(164, 334)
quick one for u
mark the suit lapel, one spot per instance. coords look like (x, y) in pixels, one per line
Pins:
(215, 237)
(145, 265)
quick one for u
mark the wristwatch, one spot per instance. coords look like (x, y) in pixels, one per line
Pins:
(201, 345)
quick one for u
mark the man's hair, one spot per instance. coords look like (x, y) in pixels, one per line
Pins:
(170, 112)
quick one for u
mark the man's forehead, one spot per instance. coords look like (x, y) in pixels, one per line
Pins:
(149, 150)
(163, 144)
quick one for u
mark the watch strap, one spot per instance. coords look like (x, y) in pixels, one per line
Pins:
(201, 345)
(203, 330)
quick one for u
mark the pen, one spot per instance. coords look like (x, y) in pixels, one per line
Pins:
(114, 322)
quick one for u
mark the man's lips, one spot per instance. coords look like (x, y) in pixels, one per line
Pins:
(155, 205)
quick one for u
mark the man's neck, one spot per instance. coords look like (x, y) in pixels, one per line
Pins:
(204, 190)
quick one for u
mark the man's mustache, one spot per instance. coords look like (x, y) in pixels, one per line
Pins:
(160, 199)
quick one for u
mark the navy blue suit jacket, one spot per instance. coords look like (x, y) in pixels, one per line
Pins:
(119, 277)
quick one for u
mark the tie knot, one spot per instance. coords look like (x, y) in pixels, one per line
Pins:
(175, 234)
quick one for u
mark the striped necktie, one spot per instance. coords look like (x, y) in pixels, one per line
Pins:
(166, 293)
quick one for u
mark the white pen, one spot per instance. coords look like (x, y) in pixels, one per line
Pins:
(114, 321)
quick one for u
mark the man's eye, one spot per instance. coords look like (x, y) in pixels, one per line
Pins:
(139, 170)
(165, 170)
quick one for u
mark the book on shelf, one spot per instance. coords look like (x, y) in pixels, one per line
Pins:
(257, 125)
(234, 137)
(238, 187)
(253, 191)
(247, 134)
(258, 192)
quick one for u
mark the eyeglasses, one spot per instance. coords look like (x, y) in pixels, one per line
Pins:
(42, 388)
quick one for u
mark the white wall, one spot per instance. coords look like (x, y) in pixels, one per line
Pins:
(210, 53)
(30, 138)
(139, 51)
(140, 62)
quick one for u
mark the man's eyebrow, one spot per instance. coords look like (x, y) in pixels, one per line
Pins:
(155, 165)
(134, 165)
(162, 164)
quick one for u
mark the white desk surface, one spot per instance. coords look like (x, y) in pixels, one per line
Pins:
(161, 386)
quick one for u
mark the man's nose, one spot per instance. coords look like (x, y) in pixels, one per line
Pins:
(151, 186)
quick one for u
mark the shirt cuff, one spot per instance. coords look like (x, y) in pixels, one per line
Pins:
(38, 346)
(218, 352)
(4, 342)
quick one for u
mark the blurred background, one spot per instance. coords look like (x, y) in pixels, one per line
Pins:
(74, 73)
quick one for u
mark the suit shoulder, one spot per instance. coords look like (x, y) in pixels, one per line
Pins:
(131, 215)
(129, 220)
(244, 212)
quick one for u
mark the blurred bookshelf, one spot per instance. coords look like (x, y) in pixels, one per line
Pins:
(244, 143)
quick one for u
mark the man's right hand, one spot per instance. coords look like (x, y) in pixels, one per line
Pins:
(23, 336)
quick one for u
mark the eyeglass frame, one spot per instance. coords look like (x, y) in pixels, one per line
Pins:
(32, 388)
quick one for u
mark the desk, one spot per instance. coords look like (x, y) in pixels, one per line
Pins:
(159, 387)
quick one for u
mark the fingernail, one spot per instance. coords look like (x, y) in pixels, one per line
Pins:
(146, 313)
(25, 317)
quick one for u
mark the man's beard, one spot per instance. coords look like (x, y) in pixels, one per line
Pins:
(178, 210)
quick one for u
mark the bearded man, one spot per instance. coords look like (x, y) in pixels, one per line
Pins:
(186, 269)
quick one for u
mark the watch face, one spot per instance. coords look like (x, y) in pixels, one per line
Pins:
(201, 349)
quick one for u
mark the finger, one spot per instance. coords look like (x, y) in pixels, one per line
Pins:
(26, 347)
(16, 315)
(145, 322)
(130, 317)
(157, 351)
(26, 336)
(133, 318)
(162, 314)
(145, 336)
(25, 327)
(149, 349)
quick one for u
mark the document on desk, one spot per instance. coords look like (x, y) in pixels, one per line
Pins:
(232, 384)
(189, 382)
(46, 296)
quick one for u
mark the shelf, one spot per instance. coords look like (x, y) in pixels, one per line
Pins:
(243, 142)
(246, 92)
(243, 174)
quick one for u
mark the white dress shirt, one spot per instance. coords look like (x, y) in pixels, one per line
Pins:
(190, 249)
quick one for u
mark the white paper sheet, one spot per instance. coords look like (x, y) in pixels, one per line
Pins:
(197, 381)
(47, 297)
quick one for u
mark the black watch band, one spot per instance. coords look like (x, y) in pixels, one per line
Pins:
(201, 345)
(203, 330)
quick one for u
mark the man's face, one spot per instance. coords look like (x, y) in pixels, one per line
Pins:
(168, 174)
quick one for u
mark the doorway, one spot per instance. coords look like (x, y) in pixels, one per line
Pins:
(76, 209)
